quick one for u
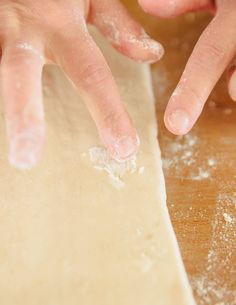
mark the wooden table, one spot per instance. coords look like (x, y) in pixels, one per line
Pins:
(200, 168)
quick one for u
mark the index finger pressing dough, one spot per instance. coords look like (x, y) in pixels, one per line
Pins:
(81, 229)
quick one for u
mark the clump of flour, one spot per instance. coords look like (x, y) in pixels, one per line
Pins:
(182, 154)
(102, 161)
(227, 218)
(202, 174)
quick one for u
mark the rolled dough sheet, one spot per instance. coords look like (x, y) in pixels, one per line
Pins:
(80, 230)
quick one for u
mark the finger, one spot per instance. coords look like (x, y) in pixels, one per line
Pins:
(211, 55)
(21, 69)
(232, 81)
(173, 8)
(84, 64)
(125, 34)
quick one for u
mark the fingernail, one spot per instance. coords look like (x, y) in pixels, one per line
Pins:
(153, 46)
(24, 151)
(179, 122)
(125, 148)
(148, 44)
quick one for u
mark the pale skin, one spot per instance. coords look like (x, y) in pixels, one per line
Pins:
(213, 54)
(35, 33)
(29, 39)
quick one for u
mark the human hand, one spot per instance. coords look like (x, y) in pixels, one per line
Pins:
(34, 33)
(212, 54)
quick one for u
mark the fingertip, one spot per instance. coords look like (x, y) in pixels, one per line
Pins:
(148, 6)
(178, 121)
(124, 33)
(120, 138)
(174, 8)
(164, 9)
(124, 148)
(25, 149)
(143, 49)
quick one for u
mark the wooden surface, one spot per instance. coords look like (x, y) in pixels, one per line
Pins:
(200, 168)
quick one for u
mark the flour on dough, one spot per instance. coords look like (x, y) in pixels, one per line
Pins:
(67, 235)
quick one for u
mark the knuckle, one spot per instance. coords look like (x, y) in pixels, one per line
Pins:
(14, 16)
(22, 55)
(212, 53)
(94, 75)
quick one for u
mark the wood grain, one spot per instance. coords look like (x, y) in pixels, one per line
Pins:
(200, 169)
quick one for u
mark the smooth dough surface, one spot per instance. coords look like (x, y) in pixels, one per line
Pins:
(68, 235)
